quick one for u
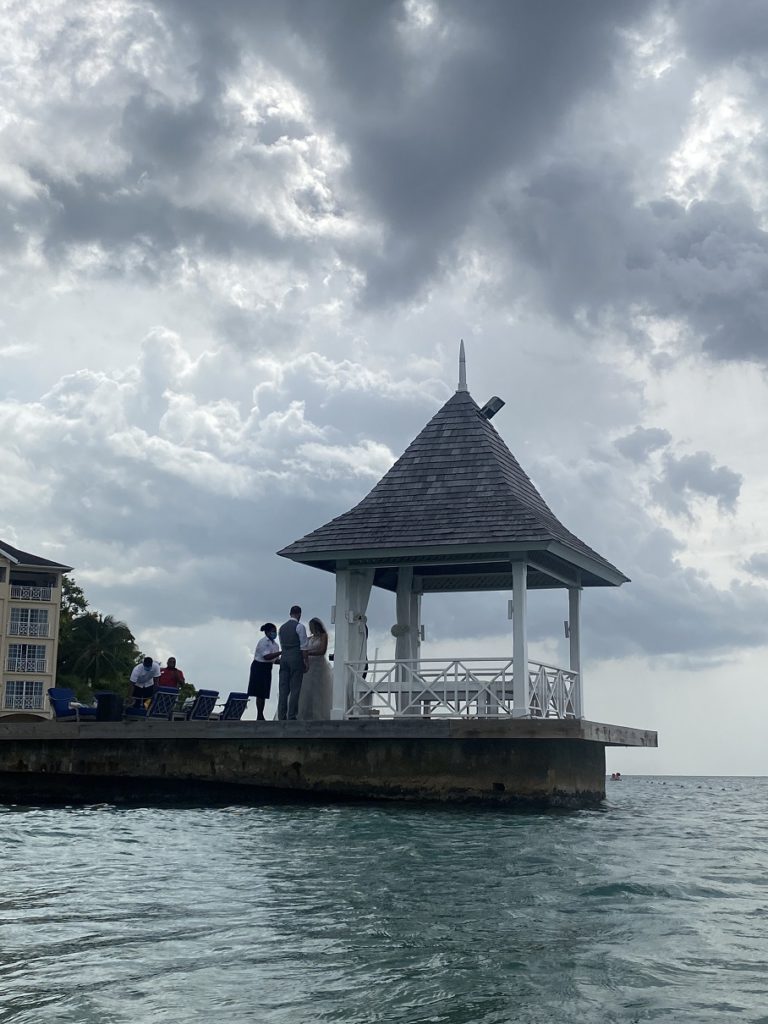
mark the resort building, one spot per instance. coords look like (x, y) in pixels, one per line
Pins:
(30, 598)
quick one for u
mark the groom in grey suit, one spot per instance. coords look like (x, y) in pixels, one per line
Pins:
(293, 664)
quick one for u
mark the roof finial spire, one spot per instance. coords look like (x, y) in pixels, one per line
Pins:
(462, 369)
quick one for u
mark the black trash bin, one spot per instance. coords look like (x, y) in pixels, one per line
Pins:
(109, 707)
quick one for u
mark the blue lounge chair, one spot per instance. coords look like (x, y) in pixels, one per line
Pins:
(234, 707)
(66, 707)
(162, 705)
(203, 705)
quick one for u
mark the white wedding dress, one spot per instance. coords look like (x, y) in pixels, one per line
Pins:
(317, 686)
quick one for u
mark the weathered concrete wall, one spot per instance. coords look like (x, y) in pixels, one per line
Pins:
(42, 763)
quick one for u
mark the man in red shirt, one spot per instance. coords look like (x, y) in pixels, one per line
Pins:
(171, 676)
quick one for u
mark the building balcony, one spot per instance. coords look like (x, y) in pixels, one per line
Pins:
(26, 665)
(22, 592)
(28, 629)
(25, 703)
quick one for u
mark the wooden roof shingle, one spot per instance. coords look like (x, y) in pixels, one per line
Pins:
(457, 485)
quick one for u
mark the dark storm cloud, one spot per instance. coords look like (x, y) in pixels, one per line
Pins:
(697, 475)
(717, 31)
(442, 122)
(638, 445)
(159, 134)
(590, 246)
(431, 117)
(667, 609)
(152, 177)
(681, 478)
(680, 615)
(97, 209)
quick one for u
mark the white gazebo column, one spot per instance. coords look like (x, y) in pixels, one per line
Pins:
(403, 631)
(341, 645)
(574, 633)
(414, 624)
(519, 640)
(353, 588)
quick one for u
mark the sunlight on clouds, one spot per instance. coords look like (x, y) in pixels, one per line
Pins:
(262, 94)
(368, 459)
(419, 14)
(723, 130)
(654, 46)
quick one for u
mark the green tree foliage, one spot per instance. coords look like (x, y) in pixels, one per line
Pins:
(73, 600)
(95, 651)
(105, 650)
(186, 690)
(73, 603)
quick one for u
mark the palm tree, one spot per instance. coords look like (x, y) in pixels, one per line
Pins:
(101, 649)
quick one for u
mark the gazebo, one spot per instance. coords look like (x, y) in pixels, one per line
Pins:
(455, 513)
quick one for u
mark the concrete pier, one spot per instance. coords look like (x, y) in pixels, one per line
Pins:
(511, 762)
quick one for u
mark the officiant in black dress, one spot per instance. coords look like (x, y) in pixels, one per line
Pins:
(266, 654)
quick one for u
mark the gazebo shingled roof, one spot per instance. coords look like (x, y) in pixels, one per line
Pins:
(458, 507)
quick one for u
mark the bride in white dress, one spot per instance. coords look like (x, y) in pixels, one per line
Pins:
(317, 685)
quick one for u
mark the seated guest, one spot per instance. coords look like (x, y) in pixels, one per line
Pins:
(171, 676)
(143, 678)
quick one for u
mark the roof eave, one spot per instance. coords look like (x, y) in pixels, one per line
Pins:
(44, 565)
(612, 576)
(333, 559)
(395, 556)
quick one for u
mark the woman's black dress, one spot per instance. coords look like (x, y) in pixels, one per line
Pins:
(260, 682)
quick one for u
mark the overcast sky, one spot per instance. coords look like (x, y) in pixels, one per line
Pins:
(242, 240)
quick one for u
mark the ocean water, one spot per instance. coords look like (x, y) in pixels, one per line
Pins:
(654, 908)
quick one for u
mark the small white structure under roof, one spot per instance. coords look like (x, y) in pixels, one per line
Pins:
(456, 512)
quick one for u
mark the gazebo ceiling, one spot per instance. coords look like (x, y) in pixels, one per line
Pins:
(459, 508)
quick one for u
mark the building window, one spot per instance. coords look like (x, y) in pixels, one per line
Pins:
(26, 658)
(2, 574)
(23, 695)
(29, 622)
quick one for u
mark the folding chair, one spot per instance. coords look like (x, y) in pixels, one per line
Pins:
(67, 708)
(233, 709)
(203, 705)
(162, 705)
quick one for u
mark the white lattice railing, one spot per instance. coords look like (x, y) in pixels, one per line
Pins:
(28, 629)
(21, 592)
(462, 688)
(21, 695)
(26, 665)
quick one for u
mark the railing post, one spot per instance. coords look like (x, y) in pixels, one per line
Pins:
(519, 640)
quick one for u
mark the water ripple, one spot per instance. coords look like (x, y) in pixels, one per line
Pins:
(651, 909)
